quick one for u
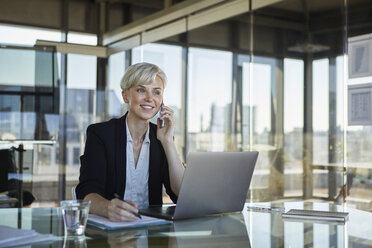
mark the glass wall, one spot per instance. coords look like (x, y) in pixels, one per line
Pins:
(116, 70)
(209, 100)
(359, 130)
(296, 99)
(79, 38)
(277, 80)
(18, 35)
(80, 106)
(320, 125)
(320, 110)
(263, 96)
(293, 126)
(31, 77)
(79, 111)
(29, 105)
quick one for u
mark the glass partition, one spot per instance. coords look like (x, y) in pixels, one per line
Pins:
(79, 112)
(293, 126)
(263, 97)
(320, 110)
(300, 113)
(209, 99)
(116, 70)
(281, 79)
(22, 35)
(79, 38)
(28, 81)
(320, 125)
(358, 74)
(25, 69)
(29, 106)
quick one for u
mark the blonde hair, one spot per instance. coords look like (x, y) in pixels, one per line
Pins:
(141, 73)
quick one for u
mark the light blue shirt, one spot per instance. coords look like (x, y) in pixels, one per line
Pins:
(137, 178)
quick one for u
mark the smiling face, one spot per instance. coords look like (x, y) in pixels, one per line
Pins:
(144, 100)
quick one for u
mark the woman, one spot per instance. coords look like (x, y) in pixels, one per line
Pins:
(126, 161)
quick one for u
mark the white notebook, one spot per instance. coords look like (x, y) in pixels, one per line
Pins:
(10, 237)
(104, 223)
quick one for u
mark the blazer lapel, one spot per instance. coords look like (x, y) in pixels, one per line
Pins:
(120, 150)
(154, 169)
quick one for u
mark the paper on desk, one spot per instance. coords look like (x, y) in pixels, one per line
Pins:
(10, 237)
(104, 223)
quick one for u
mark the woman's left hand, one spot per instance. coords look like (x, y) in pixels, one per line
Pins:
(165, 133)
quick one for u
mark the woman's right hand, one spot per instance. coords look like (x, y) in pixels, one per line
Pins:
(114, 210)
(118, 210)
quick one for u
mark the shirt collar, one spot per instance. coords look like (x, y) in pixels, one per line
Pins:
(129, 137)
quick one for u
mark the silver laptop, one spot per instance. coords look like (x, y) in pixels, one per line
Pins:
(213, 183)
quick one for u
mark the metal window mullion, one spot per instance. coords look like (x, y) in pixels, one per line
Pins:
(184, 104)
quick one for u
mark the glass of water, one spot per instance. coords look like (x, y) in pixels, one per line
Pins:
(75, 216)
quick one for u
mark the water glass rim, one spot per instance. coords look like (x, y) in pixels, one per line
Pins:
(74, 203)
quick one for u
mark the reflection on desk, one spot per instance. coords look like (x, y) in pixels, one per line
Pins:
(246, 229)
(271, 230)
(218, 231)
(215, 231)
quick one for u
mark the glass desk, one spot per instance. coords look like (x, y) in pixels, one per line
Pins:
(246, 229)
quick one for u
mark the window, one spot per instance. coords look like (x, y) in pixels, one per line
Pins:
(18, 35)
(263, 95)
(76, 156)
(321, 113)
(320, 110)
(80, 108)
(293, 125)
(116, 70)
(209, 99)
(45, 155)
(79, 38)
(359, 157)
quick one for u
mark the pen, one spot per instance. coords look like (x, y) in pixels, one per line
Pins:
(266, 209)
(136, 214)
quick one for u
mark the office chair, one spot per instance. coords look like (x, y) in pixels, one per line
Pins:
(7, 166)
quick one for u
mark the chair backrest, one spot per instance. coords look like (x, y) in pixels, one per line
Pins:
(7, 165)
(73, 192)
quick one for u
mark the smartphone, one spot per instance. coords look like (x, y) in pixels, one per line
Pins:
(159, 115)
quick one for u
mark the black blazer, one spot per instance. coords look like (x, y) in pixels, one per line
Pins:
(103, 164)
